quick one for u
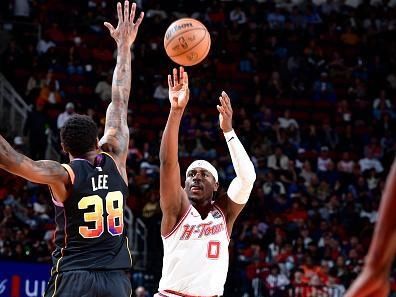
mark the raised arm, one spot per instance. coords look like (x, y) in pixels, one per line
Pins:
(43, 172)
(116, 135)
(374, 278)
(173, 197)
(239, 190)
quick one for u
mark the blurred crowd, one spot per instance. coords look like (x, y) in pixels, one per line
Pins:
(313, 87)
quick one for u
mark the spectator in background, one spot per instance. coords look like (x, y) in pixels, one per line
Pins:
(286, 121)
(44, 44)
(32, 87)
(275, 88)
(278, 160)
(391, 80)
(140, 292)
(323, 89)
(336, 289)
(374, 147)
(103, 88)
(50, 89)
(276, 19)
(161, 93)
(349, 37)
(19, 145)
(382, 105)
(35, 129)
(276, 282)
(369, 162)
(22, 9)
(273, 188)
(323, 159)
(64, 116)
(345, 165)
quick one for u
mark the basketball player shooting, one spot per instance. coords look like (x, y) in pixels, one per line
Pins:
(195, 229)
(91, 257)
(374, 278)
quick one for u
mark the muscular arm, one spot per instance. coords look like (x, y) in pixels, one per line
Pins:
(173, 198)
(171, 191)
(43, 172)
(116, 134)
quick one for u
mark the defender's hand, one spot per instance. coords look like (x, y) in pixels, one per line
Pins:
(225, 112)
(126, 31)
(178, 89)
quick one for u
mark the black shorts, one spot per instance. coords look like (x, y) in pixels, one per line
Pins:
(85, 283)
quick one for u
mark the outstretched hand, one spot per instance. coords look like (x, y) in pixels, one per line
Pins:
(225, 112)
(126, 31)
(179, 92)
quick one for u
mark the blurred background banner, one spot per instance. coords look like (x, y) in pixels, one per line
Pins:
(23, 279)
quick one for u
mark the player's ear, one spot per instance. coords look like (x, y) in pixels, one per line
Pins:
(63, 148)
(216, 187)
(97, 143)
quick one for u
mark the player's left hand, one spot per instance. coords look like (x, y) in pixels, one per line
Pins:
(370, 283)
(225, 112)
(126, 31)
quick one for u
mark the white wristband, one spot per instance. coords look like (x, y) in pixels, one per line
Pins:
(230, 135)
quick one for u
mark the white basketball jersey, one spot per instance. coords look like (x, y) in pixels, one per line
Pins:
(196, 255)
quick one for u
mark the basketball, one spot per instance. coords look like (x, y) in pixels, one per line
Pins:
(187, 42)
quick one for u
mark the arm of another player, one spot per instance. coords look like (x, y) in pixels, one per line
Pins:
(241, 186)
(46, 172)
(116, 135)
(374, 279)
(173, 197)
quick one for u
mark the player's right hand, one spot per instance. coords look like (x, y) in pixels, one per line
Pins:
(370, 283)
(225, 112)
(179, 92)
(126, 31)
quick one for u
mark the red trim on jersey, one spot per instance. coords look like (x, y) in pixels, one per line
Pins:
(181, 294)
(225, 222)
(179, 223)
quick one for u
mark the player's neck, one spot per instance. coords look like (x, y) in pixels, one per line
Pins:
(90, 156)
(203, 207)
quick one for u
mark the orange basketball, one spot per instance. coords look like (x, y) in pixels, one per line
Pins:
(187, 42)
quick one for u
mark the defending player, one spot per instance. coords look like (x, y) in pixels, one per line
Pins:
(92, 255)
(374, 278)
(195, 229)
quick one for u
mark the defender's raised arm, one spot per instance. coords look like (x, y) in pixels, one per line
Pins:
(116, 135)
